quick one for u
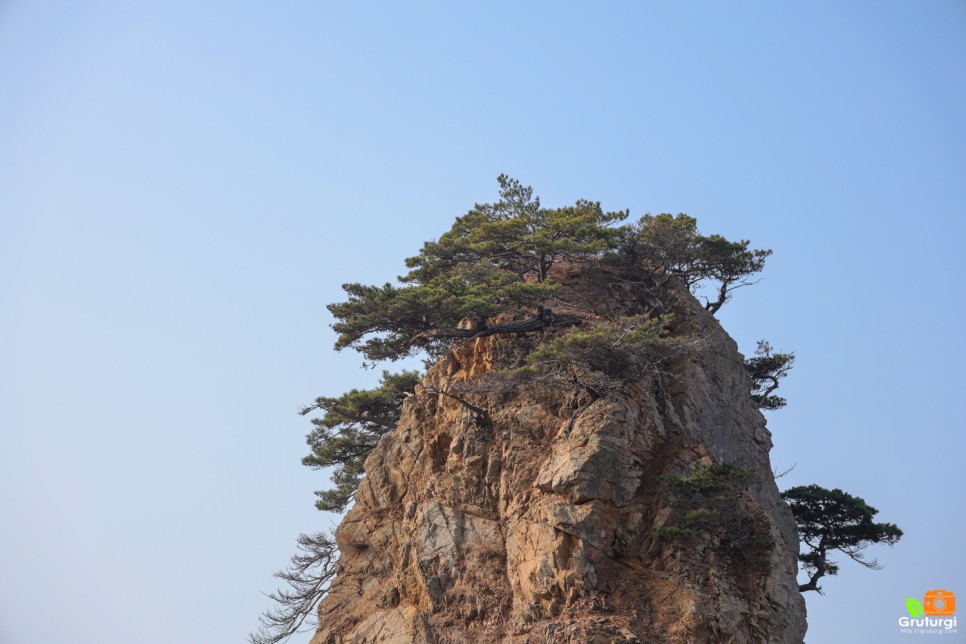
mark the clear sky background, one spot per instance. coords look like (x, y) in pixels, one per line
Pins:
(185, 185)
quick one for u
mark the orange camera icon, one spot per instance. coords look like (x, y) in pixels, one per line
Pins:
(939, 603)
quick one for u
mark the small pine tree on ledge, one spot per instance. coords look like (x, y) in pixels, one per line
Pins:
(830, 520)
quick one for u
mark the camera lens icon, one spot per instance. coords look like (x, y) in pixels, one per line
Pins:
(939, 603)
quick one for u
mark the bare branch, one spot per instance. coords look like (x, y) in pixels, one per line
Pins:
(463, 401)
(308, 576)
(782, 473)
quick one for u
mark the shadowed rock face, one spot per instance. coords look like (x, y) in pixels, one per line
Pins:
(551, 520)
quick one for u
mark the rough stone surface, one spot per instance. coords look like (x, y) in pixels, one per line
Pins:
(542, 522)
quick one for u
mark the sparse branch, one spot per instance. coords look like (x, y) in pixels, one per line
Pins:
(461, 400)
(724, 293)
(308, 576)
(778, 474)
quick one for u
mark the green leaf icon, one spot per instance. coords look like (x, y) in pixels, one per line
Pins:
(914, 607)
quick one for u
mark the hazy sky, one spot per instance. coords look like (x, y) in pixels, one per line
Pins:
(185, 185)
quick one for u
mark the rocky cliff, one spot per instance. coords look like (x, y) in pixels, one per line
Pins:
(540, 513)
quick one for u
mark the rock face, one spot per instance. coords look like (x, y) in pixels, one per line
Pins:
(560, 517)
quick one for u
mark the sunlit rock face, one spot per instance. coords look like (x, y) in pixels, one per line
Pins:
(553, 516)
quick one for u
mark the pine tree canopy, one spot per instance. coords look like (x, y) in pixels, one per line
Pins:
(834, 520)
(349, 429)
(496, 260)
(767, 369)
(519, 236)
(673, 245)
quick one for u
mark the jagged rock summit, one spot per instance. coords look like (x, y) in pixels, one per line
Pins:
(542, 513)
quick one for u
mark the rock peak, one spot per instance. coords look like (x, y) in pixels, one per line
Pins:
(539, 513)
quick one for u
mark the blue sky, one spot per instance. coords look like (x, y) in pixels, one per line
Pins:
(184, 186)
